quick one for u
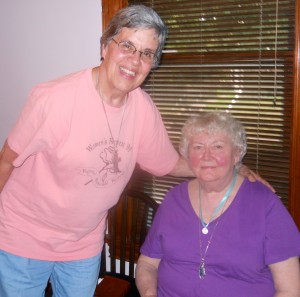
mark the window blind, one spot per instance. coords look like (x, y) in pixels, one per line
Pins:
(234, 56)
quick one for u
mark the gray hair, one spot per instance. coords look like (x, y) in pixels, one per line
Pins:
(212, 122)
(140, 17)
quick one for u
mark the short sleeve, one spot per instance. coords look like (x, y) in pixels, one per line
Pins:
(282, 236)
(152, 244)
(39, 127)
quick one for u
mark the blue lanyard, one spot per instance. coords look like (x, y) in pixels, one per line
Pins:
(222, 202)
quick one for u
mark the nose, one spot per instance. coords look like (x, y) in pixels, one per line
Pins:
(206, 153)
(136, 56)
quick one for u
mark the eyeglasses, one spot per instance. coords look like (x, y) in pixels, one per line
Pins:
(127, 48)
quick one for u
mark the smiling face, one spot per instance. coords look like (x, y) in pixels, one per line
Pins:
(212, 157)
(125, 72)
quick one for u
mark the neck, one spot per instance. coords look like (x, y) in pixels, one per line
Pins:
(216, 187)
(106, 93)
(215, 192)
(212, 207)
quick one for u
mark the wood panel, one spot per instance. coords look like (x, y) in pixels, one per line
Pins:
(109, 8)
(294, 197)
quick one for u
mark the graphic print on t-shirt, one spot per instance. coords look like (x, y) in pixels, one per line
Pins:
(112, 163)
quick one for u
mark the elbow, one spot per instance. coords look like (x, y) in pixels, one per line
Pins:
(146, 277)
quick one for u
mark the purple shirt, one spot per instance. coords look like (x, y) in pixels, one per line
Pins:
(255, 231)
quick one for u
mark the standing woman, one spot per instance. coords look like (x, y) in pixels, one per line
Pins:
(71, 154)
(219, 234)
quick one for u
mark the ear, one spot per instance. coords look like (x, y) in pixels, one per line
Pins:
(103, 51)
(237, 156)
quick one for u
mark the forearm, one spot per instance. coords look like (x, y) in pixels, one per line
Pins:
(146, 279)
(181, 169)
(286, 276)
(6, 167)
(287, 294)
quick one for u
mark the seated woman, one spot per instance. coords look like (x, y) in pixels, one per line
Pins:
(219, 234)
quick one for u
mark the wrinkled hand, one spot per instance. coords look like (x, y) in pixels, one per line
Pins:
(252, 176)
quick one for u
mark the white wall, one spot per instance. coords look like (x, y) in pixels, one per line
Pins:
(42, 40)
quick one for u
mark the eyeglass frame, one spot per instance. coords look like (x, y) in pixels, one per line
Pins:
(142, 53)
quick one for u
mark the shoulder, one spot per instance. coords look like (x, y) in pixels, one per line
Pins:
(260, 195)
(140, 93)
(62, 84)
(174, 201)
(256, 188)
(58, 92)
(146, 113)
(177, 195)
(142, 99)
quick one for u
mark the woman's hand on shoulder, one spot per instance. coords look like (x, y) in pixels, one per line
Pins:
(252, 176)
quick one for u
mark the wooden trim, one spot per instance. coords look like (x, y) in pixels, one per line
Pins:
(294, 197)
(109, 8)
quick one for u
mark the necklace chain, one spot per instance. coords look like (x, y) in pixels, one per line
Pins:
(115, 158)
(121, 124)
(202, 268)
(115, 143)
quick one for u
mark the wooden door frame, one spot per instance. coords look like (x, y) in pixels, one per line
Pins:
(294, 189)
(109, 8)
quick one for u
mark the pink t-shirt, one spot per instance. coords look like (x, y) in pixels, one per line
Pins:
(55, 203)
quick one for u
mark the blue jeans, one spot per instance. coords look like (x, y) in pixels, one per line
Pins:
(23, 277)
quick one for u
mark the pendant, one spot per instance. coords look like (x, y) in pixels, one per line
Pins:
(115, 161)
(204, 230)
(202, 271)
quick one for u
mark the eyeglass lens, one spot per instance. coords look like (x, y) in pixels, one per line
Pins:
(127, 47)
